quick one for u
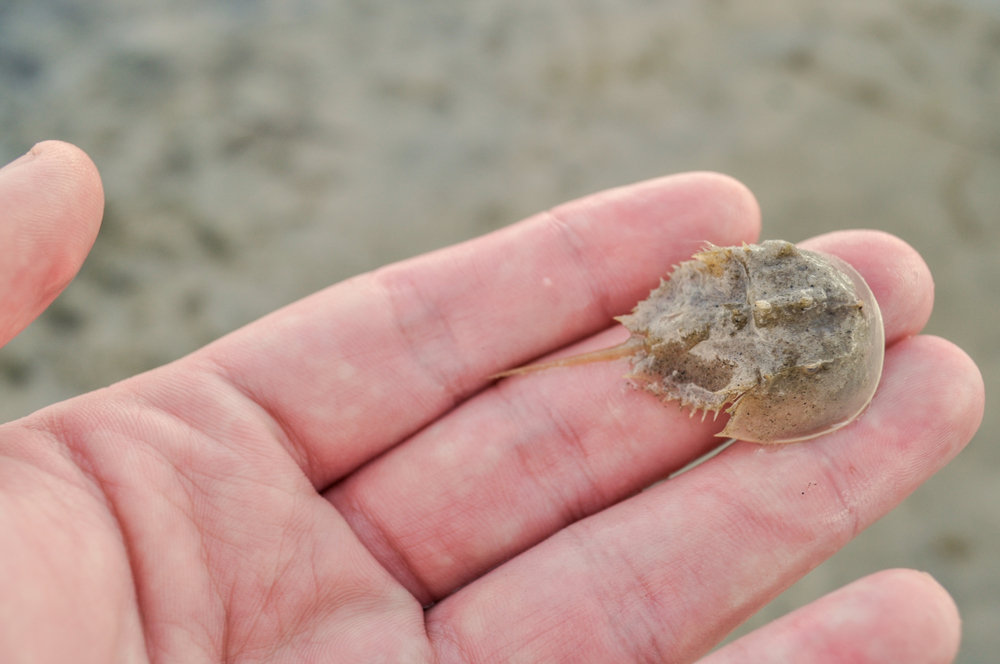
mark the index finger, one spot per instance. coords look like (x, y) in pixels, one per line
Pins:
(354, 369)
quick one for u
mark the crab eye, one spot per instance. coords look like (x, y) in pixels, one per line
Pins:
(813, 368)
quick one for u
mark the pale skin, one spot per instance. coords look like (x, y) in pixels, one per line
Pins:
(340, 482)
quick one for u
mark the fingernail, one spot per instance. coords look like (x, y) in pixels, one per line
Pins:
(29, 156)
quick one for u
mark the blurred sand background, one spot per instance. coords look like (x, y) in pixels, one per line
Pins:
(253, 152)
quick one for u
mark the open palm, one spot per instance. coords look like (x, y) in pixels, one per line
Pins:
(339, 481)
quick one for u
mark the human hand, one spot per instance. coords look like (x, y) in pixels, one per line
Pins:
(303, 488)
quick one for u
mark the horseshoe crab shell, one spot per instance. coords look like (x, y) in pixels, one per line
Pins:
(790, 340)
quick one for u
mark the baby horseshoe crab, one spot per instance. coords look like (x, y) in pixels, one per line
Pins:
(791, 340)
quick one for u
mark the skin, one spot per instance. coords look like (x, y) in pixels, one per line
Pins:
(303, 488)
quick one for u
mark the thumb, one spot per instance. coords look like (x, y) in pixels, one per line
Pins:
(51, 203)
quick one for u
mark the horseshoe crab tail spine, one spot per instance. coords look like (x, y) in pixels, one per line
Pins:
(627, 349)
